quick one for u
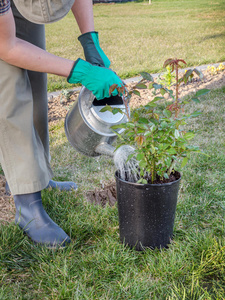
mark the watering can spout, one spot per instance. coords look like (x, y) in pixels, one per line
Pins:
(105, 149)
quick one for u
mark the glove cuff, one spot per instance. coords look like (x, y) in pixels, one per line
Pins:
(92, 50)
(79, 70)
(82, 37)
(71, 78)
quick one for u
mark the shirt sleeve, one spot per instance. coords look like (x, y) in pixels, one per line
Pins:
(4, 7)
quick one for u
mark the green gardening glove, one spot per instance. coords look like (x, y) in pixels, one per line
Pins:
(92, 51)
(97, 79)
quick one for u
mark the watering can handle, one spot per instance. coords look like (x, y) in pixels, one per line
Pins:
(88, 100)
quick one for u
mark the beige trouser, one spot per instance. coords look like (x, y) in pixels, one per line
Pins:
(24, 141)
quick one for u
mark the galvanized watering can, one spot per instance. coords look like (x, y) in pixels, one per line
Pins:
(87, 129)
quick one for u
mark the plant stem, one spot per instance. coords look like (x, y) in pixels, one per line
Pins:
(177, 84)
(153, 170)
(125, 101)
(177, 89)
(170, 167)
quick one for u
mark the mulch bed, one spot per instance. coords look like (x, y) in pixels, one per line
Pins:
(59, 105)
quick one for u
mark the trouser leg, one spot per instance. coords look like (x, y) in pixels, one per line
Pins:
(35, 34)
(24, 147)
(40, 105)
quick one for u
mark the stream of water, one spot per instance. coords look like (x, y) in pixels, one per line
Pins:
(127, 169)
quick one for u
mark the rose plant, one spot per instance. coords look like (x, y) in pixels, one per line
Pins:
(157, 130)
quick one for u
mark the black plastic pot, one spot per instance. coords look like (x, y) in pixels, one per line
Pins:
(146, 213)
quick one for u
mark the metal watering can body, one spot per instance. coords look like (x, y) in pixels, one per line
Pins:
(87, 129)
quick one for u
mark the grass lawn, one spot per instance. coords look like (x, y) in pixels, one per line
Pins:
(139, 37)
(96, 265)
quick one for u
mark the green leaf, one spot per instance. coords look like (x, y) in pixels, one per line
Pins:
(106, 108)
(136, 92)
(153, 127)
(177, 134)
(154, 121)
(140, 86)
(196, 100)
(184, 162)
(122, 125)
(171, 92)
(142, 164)
(152, 149)
(142, 126)
(157, 86)
(188, 73)
(189, 135)
(199, 73)
(143, 120)
(156, 116)
(164, 124)
(183, 79)
(150, 85)
(116, 110)
(143, 181)
(113, 110)
(165, 175)
(171, 151)
(150, 105)
(196, 114)
(162, 91)
(135, 114)
(128, 124)
(147, 76)
(147, 133)
(167, 113)
(202, 92)
(157, 98)
(140, 156)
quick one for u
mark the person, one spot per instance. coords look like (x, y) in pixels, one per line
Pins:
(24, 140)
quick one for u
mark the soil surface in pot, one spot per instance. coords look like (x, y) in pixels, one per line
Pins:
(172, 177)
(59, 105)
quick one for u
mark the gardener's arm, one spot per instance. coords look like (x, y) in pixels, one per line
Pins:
(22, 54)
(83, 13)
(27, 56)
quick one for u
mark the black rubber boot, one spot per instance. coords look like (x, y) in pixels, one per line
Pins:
(62, 185)
(36, 223)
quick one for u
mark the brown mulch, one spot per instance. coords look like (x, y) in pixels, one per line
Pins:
(59, 106)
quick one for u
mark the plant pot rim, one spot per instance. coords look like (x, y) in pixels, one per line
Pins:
(147, 184)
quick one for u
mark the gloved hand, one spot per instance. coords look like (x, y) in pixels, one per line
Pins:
(92, 50)
(97, 79)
